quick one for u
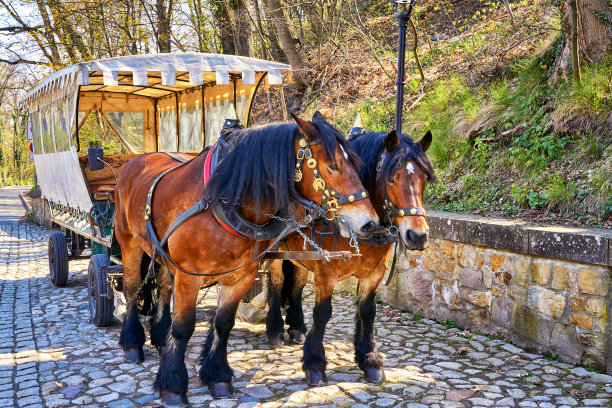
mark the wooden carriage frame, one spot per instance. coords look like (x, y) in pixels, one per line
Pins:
(176, 103)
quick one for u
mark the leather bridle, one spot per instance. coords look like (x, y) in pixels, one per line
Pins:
(331, 200)
(391, 210)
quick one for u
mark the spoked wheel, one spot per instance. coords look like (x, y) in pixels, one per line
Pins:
(58, 259)
(100, 293)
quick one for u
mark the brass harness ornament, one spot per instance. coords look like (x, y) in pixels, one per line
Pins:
(331, 200)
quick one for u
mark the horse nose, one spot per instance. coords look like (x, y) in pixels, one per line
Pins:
(368, 227)
(417, 238)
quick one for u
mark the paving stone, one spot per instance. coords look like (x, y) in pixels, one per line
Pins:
(65, 361)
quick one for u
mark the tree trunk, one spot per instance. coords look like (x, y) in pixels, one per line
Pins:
(296, 58)
(594, 35)
(244, 35)
(574, 39)
(164, 25)
(223, 20)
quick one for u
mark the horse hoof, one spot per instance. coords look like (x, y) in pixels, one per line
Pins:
(134, 355)
(297, 336)
(174, 400)
(161, 350)
(374, 375)
(221, 389)
(315, 378)
(275, 340)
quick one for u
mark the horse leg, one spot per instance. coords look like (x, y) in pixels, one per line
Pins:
(162, 320)
(293, 287)
(313, 361)
(368, 358)
(274, 321)
(132, 336)
(172, 379)
(215, 371)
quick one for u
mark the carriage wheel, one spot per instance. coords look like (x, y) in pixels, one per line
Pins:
(101, 306)
(58, 259)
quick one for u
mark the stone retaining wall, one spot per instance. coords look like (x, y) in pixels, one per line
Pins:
(547, 288)
(544, 288)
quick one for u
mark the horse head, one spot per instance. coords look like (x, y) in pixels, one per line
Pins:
(325, 174)
(402, 171)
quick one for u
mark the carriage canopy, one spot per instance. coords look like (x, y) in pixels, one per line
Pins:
(159, 102)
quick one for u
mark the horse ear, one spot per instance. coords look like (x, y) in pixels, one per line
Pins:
(306, 128)
(392, 140)
(318, 116)
(425, 142)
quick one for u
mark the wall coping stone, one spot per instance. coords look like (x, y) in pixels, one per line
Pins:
(581, 244)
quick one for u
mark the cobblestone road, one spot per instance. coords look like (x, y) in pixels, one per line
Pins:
(51, 356)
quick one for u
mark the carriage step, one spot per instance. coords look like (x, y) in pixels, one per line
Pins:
(113, 271)
(310, 255)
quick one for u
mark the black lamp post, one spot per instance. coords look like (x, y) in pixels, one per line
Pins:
(403, 9)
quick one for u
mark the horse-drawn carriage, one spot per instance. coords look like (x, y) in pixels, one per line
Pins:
(151, 103)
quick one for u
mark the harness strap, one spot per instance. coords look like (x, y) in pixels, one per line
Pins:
(392, 271)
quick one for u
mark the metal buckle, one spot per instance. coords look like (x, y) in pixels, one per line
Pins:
(300, 154)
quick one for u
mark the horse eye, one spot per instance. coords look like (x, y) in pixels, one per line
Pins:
(333, 167)
(390, 180)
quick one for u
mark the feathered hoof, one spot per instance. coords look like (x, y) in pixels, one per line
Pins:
(315, 377)
(374, 375)
(171, 399)
(297, 337)
(221, 389)
(134, 355)
(275, 340)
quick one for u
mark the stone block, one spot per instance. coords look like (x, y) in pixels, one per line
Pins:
(594, 281)
(456, 302)
(499, 236)
(479, 318)
(432, 258)
(563, 340)
(448, 250)
(522, 270)
(594, 360)
(445, 228)
(595, 307)
(550, 303)
(466, 255)
(497, 261)
(471, 278)
(576, 304)
(540, 273)
(497, 291)
(528, 323)
(582, 321)
(503, 277)
(518, 293)
(481, 299)
(413, 262)
(501, 311)
(480, 260)
(597, 341)
(419, 286)
(487, 276)
(559, 242)
(449, 267)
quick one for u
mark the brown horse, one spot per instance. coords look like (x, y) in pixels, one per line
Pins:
(395, 173)
(257, 176)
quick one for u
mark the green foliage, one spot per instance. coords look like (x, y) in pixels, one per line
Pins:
(417, 315)
(449, 323)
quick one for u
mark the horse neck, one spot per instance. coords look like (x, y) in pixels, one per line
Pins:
(377, 197)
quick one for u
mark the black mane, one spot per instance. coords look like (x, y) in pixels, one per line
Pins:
(259, 164)
(369, 147)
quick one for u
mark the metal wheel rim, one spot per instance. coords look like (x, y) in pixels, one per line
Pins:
(52, 259)
(92, 292)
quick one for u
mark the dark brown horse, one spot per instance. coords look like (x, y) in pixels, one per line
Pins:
(257, 176)
(394, 173)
